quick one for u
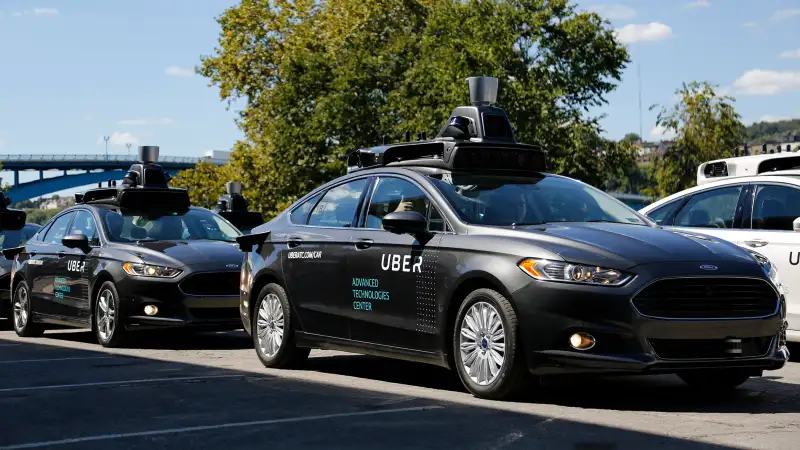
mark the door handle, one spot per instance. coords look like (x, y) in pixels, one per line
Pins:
(364, 243)
(294, 241)
(756, 242)
(61, 254)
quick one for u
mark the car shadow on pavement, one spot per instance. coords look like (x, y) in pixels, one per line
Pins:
(102, 406)
(664, 393)
(167, 339)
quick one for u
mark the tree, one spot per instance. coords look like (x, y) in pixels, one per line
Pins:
(631, 137)
(706, 126)
(321, 78)
(205, 183)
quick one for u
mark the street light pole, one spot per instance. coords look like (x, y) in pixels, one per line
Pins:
(129, 148)
(106, 138)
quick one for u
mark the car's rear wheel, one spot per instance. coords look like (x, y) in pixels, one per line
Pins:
(22, 316)
(273, 330)
(715, 380)
(488, 357)
(109, 329)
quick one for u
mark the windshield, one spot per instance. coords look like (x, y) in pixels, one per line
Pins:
(16, 238)
(195, 224)
(505, 200)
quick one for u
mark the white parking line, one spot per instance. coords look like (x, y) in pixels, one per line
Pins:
(102, 437)
(17, 361)
(111, 383)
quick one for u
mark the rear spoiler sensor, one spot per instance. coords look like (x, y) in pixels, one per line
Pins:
(248, 241)
(10, 253)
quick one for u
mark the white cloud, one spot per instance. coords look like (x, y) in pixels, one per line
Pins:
(175, 71)
(660, 132)
(119, 139)
(137, 122)
(750, 24)
(45, 11)
(767, 82)
(785, 14)
(653, 31)
(698, 4)
(613, 11)
(790, 54)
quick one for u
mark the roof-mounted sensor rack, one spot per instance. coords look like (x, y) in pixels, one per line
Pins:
(233, 207)
(10, 219)
(474, 137)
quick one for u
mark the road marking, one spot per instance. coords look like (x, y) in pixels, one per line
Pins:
(111, 383)
(103, 437)
(54, 359)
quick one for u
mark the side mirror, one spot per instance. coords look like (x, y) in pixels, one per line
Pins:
(400, 222)
(79, 241)
(796, 224)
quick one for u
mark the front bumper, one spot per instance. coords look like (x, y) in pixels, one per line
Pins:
(176, 308)
(629, 342)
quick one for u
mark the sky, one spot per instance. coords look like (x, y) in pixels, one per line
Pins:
(74, 71)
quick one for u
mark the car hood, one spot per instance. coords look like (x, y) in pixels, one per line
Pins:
(193, 253)
(622, 246)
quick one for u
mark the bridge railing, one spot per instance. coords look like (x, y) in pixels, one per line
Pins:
(97, 158)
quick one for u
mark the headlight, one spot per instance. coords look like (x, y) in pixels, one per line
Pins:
(769, 269)
(542, 269)
(146, 270)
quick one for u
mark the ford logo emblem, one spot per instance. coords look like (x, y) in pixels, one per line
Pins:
(708, 267)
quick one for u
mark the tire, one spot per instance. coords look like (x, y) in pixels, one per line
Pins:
(273, 330)
(108, 328)
(715, 380)
(511, 378)
(22, 321)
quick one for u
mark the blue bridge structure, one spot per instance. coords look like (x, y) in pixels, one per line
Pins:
(94, 169)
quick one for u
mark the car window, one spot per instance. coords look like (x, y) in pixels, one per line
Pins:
(59, 228)
(662, 212)
(710, 209)
(436, 221)
(338, 206)
(16, 238)
(84, 223)
(775, 208)
(392, 195)
(299, 215)
(195, 224)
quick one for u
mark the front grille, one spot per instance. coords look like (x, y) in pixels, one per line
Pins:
(219, 283)
(710, 348)
(707, 298)
(214, 313)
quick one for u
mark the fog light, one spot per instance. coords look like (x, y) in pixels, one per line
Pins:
(581, 341)
(151, 310)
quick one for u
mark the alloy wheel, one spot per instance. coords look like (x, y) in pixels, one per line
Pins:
(106, 315)
(483, 343)
(270, 325)
(21, 308)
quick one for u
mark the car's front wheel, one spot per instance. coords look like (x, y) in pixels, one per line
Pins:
(273, 330)
(22, 313)
(488, 358)
(715, 380)
(109, 329)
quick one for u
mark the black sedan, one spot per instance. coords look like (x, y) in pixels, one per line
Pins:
(11, 239)
(462, 251)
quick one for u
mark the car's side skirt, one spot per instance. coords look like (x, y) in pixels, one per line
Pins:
(59, 320)
(367, 348)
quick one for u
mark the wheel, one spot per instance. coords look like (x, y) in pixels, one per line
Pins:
(273, 330)
(106, 324)
(715, 380)
(488, 357)
(23, 322)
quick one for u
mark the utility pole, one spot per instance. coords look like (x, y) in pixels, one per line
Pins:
(639, 75)
(106, 138)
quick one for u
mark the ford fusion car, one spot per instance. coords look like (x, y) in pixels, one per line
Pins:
(462, 251)
(127, 258)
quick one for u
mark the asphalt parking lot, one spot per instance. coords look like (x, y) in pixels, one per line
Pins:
(208, 391)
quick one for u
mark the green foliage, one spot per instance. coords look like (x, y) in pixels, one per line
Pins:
(707, 127)
(41, 216)
(205, 183)
(773, 132)
(321, 78)
(632, 137)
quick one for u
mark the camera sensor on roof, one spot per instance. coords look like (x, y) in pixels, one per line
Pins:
(233, 207)
(10, 219)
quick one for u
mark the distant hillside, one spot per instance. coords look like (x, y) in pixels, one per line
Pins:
(773, 132)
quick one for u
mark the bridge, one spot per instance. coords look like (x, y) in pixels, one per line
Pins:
(96, 169)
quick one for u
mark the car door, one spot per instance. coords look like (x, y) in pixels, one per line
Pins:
(79, 265)
(770, 232)
(392, 298)
(49, 285)
(314, 258)
(716, 211)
